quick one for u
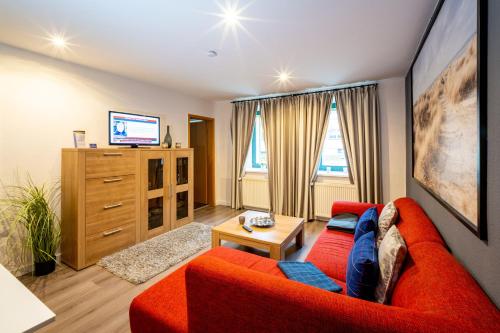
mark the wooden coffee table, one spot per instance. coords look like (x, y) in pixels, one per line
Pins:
(275, 239)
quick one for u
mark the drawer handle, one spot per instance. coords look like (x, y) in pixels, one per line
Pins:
(111, 232)
(112, 180)
(115, 205)
(113, 154)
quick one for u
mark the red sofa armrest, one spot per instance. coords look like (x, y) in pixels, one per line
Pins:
(358, 208)
(224, 297)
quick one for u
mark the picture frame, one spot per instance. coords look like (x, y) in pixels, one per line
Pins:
(449, 145)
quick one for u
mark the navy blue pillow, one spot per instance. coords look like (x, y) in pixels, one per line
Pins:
(367, 222)
(362, 268)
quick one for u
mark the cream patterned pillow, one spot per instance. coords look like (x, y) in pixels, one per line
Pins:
(387, 218)
(391, 255)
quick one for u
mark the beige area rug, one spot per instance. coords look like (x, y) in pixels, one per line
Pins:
(141, 262)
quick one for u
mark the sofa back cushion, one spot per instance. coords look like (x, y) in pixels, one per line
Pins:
(414, 225)
(352, 207)
(367, 223)
(433, 281)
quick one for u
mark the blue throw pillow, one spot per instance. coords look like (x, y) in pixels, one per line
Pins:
(367, 222)
(362, 268)
(343, 222)
(307, 273)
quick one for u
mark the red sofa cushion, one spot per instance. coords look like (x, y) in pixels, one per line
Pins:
(358, 208)
(414, 225)
(163, 307)
(330, 253)
(434, 282)
(152, 311)
(246, 301)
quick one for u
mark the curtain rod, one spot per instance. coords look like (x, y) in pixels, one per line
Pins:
(307, 91)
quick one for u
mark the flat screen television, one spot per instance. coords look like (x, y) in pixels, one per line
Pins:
(128, 129)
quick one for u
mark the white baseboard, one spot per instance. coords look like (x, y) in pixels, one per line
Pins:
(222, 203)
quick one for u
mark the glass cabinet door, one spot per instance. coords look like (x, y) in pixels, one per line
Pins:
(155, 206)
(155, 197)
(155, 213)
(182, 167)
(182, 205)
(155, 173)
(182, 199)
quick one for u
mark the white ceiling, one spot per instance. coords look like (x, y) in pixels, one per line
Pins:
(321, 42)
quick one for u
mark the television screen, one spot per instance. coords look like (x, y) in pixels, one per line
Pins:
(133, 129)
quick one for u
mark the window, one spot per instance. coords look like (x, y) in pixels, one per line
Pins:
(333, 161)
(257, 154)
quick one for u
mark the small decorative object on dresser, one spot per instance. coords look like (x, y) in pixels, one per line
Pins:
(167, 141)
(178, 145)
(79, 139)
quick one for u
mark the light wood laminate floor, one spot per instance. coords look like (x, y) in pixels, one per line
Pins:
(94, 300)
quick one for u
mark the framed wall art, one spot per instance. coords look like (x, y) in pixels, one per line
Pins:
(448, 110)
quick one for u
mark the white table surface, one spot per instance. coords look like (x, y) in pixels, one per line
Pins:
(20, 309)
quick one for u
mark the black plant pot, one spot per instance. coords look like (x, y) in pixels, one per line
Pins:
(44, 268)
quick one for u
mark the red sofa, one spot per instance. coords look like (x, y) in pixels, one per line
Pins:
(227, 290)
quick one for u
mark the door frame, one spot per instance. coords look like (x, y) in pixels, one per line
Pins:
(210, 156)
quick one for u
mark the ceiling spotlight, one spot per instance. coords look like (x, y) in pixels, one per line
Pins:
(212, 54)
(58, 41)
(283, 77)
(231, 15)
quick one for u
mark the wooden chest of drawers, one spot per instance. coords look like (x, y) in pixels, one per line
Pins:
(113, 198)
(99, 203)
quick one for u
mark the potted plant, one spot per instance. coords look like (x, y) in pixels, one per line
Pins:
(32, 216)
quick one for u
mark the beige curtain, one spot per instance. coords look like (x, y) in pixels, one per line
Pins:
(358, 112)
(294, 130)
(242, 120)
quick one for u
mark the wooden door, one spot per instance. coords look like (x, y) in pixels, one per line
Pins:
(198, 141)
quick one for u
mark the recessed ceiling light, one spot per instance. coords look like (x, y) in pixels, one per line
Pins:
(58, 41)
(283, 76)
(231, 14)
(212, 53)
(231, 17)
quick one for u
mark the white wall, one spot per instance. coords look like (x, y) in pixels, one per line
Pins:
(392, 127)
(393, 133)
(223, 158)
(42, 100)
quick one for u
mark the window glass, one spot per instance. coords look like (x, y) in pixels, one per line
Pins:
(257, 154)
(333, 159)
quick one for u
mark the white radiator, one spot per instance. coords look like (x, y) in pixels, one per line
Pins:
(256, 195)
(326, 193)
(255, 192)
